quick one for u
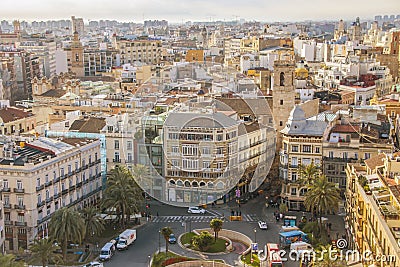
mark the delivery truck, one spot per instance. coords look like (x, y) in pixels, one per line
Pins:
(107, 251)
(126, 238)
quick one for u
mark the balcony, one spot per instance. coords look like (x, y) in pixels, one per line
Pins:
(20, 224)
(65, 191)
(85, 167)
(7, 222)
(19, 190)
(7, 206)
(40, 204)
(85, 181)
(19, 207)
(92, 164)
(78, 184)
(48, 183)
(6, 189)
(40, 187)
(56, 196)
(56, 180)
(117, 160)
(98, 161)
(64, 177)
(50, 199)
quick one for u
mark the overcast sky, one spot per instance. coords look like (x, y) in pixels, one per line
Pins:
(197, 10)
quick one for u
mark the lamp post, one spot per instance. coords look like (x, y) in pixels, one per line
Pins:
(159, 242)
(255, 235)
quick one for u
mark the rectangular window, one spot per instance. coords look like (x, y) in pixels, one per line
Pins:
(189, 150)
(317, 149)
(175, 150)
(129, 145)
(294, 162)
(116, 144)
(5, 184)
(19, 184)
(294, 176)
(20, 200)
(367, 155)
(293, 191)
(130, 158)
(21, 217)
(116, 157)
(295, 148)
(206, 151)
(306, 148)
(189, 164)
(38, 182)
(206, 164)
(331, 154)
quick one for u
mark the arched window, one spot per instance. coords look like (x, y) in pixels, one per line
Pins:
(282, 79)
(187, 184)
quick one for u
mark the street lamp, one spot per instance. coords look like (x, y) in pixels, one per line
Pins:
(159, 244)
(255, 235)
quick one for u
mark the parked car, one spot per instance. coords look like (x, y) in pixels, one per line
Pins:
(172, 239)
(262, 225)
(94, 264)
(196, 210)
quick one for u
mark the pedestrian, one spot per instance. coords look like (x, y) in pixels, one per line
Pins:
(280, 216)
(240, 213)
(157, 213)
(337, 235)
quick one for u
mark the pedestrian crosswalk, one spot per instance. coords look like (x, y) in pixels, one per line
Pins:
(201, 218)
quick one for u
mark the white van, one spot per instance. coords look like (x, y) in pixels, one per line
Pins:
(107, 251)
(301, 246)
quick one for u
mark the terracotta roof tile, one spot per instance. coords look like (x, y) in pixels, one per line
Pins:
(13, 114)
(376, 161)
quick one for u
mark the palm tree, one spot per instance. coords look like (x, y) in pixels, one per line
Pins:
(322, 196)
(67, 225)
(326, 257)
(94, 224)
(308, 173)
(122, 193)
(9, 261)
(166, 232)
(216, 225)
(43, 250)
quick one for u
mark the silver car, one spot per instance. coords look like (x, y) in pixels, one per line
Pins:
(196, 210)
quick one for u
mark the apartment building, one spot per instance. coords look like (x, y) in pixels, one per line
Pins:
(373, 209)
(207, 153)
(16, 121)
(347, 140)
(26, 66)
(119, 131)
(42, 176)
(97, 61)
(302, 140)
(45, 50)
(2, 233)
(144, 51)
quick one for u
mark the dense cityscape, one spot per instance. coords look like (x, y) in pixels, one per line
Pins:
(229, 142)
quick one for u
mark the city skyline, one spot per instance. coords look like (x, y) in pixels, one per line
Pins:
(197, 10)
